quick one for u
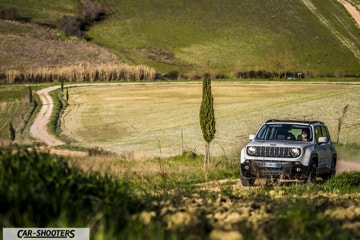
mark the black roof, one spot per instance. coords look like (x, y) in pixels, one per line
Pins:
(294, 121)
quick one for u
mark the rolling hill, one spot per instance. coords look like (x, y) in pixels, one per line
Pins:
(316, 37)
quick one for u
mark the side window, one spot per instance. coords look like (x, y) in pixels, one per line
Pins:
(318, 133)
(321, 131)
(325, 132)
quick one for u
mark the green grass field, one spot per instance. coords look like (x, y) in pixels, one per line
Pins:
(233, 36)
(162, 119)
(356, 3)
(43, 11)
(185, 35)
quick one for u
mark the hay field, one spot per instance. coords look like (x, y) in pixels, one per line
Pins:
(161, 119)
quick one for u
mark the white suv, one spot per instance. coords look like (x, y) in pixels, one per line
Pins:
(288, 151)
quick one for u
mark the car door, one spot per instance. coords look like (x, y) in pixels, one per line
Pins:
(323, 149)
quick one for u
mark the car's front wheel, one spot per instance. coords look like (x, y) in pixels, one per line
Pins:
(247, 181)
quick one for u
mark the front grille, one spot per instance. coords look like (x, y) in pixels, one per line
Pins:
(279, 152)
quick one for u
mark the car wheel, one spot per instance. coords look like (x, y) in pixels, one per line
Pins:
(246, 181)
(312, 173)
(332, 169)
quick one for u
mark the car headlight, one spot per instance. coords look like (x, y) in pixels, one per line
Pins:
(251, 151)
(295, 152)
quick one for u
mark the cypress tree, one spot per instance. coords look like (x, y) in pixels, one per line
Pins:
(30, 95)
(207, 116)
(12, 132)
(67, 94)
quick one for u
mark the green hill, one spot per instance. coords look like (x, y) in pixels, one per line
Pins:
(317, 37)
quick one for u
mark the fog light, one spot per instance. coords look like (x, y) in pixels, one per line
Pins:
(246, 167)
(298, 169)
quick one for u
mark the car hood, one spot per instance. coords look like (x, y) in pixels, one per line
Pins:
(268, 143)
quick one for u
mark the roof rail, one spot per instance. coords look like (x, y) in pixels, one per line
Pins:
(292, 120)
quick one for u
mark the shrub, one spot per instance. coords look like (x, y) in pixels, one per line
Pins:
(98, 151)
(9, 14)
(302, 219)
(91, 11)
(172, 75)
(72, 27)
(219, 76)
(37, 189)
(345, 182)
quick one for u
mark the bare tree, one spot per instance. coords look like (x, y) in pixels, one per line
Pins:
(341, 121)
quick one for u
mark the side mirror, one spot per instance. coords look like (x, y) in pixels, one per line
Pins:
(323, 140)
(251, 137)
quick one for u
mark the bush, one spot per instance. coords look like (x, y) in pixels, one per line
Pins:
(172, 75)
(72, 27)
(302, 219)
(98, 151)
(92, 11)
(9, 14)
(254, 75)
(345, 182)
(37, 189)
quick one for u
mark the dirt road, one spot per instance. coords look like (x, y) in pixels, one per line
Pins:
(352, 11)
(39, 128)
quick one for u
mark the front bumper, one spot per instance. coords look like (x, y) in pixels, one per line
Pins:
(274, 169)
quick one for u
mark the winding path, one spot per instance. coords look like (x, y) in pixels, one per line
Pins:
(39, 128)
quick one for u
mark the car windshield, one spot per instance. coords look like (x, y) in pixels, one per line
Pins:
(284, 132)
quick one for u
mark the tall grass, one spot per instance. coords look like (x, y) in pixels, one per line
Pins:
(82, 73)
(42, 190)
(16, 109)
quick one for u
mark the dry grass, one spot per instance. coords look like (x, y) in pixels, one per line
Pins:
(82, 73)
(149, 119)
(32, 53)
(24, 47)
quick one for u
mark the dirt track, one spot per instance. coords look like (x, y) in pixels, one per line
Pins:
(352, 11)
(39, 128)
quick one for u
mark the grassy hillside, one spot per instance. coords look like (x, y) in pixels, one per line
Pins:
(232, 35)
(356, 3)
(42, 11)
(26, 46)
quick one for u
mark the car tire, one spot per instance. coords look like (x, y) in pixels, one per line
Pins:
(332, 170)
(246, 181)
(312, 173)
